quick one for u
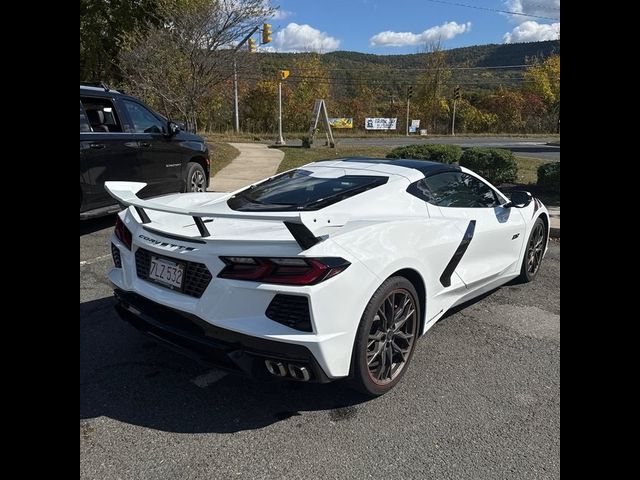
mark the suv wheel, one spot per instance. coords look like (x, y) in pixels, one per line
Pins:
(196, 179)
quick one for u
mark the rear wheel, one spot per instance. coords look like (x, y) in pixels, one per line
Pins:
(196, 179)
(535, 250)
(386, 337)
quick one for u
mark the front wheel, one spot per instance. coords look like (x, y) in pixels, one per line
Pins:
(386, 337)
(535, 250)
(196, 179)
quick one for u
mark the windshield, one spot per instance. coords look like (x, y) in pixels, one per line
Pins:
(301, 190)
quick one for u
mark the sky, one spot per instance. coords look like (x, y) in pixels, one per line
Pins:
(406, 26)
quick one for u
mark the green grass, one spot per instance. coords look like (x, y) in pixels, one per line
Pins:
(528, 169)
(231, 136)
(220, 153)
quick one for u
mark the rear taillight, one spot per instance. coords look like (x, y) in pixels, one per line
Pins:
(123, 233)
(287, 271)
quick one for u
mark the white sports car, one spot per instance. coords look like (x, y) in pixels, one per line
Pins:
(329, 271)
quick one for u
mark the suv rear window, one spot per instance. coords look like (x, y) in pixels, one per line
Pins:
(101, 114)
(301, 190)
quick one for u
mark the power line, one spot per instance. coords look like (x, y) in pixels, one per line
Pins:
(329, 81)
(493, 9)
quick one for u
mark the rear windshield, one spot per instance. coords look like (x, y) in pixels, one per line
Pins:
(300, 190)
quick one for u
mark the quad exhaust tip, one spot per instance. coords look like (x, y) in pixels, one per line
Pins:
(276, 368)
(296, 372)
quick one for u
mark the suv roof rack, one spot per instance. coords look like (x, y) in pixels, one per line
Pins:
(95, 84)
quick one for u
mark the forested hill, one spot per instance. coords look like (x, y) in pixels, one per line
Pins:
(476, 56)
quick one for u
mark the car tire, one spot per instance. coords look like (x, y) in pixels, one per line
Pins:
(534, 251)
(196, 179)
(377, 339)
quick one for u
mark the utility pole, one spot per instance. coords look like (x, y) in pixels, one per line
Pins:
(236, 117)
(409, 95)
(282, 74)
(280, 140)
(266, 37)
(456, 97)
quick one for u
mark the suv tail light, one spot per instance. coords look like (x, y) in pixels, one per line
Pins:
(123, 233)
(286, 271)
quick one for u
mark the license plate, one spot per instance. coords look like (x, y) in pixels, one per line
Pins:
(166, 272)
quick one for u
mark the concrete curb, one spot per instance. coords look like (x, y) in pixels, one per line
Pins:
(554, 219)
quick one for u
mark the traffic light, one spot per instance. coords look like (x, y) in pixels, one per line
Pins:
(456, 93)
(252, 45)
(283, 74)
(410, 92)
(266, 33)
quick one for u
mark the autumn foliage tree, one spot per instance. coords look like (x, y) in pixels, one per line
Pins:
(309, 81)
(430, 101)
(184, 58)
(542, 79)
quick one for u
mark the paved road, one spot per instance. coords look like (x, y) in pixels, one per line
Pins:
(522, 146)
(480, 400)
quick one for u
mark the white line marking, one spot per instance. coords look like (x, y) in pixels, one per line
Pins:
(94, 260)
(209, 378)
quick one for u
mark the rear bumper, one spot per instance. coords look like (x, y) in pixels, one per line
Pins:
(211, 345)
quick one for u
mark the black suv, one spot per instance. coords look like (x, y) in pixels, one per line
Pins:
(123, 139)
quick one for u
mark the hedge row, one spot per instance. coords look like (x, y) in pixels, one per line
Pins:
(433, 152)
(495, 164)
(549, 176)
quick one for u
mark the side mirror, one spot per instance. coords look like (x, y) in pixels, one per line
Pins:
(173, 128)
(519, 199)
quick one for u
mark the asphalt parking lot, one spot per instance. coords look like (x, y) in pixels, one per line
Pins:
(481, 399)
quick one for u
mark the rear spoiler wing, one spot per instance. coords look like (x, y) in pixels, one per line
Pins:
(126, 194)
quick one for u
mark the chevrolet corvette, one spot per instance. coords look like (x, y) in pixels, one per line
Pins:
(329, 271)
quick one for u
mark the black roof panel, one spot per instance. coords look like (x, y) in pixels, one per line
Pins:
(427, 167)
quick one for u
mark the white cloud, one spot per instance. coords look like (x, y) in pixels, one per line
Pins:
(280, 14)
(531, 31)
(446, 31)
(304, 38)
(542, 8)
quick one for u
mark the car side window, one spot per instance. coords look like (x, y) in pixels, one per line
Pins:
(101, 114)
(455, 190)
(143, 120)
(84, 123)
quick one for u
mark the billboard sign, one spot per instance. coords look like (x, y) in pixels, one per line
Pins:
(380, 123)
(342, 122)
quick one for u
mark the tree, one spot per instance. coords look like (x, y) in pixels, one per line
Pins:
(507, 106)
(309, 81)
(181, 60)
(543, 79)
(103, 27)
(260, 106)
(430, 99)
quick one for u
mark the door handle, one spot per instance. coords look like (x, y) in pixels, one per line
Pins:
(96, 146)
(145, 144)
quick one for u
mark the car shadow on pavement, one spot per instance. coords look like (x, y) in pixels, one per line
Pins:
(128, 377)
(95, 224)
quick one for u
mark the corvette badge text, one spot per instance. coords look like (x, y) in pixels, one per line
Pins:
(158, 243)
